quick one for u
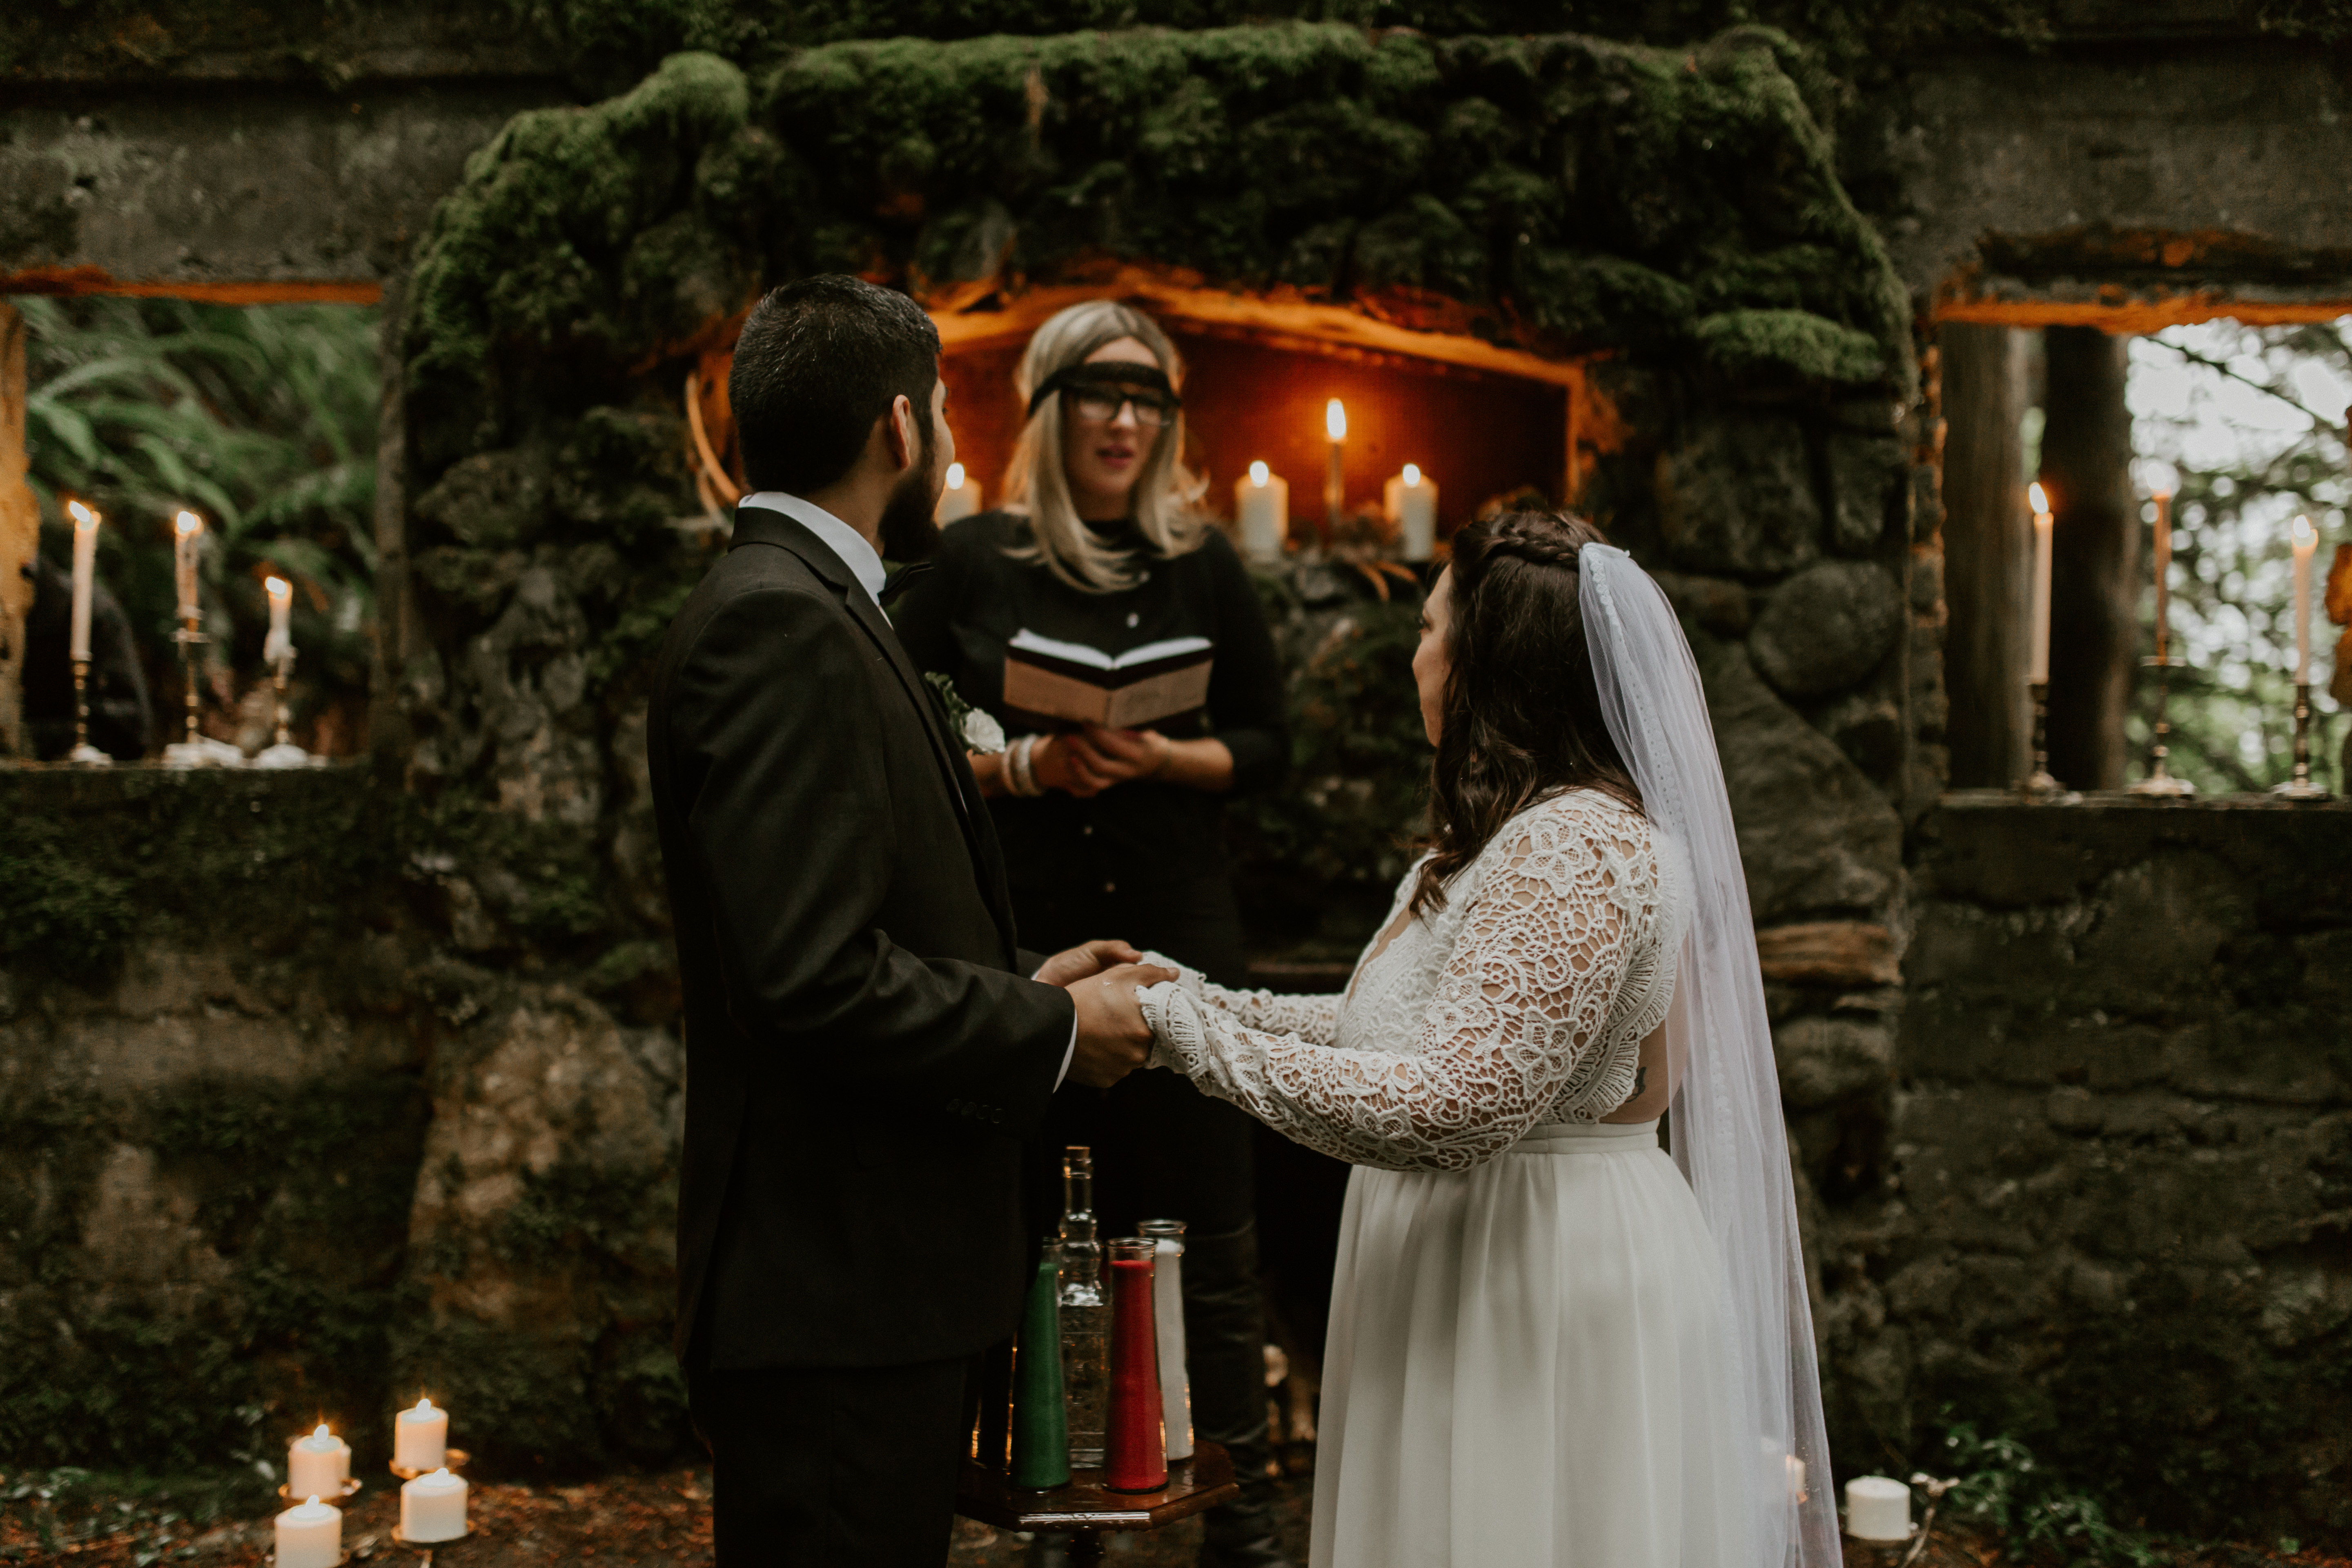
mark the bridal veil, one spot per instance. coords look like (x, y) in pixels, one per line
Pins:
(1724, 1116)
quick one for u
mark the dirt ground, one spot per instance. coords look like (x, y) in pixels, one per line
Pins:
(651, 1521)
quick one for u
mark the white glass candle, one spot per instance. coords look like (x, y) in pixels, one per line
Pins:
(2305, 540)
(1262, 503)
(319, 1463)
(1412, 508)
(1168, 1330)
(85, 579)
(310, 1535)
(433, 1508)
(189, 532)
(1877, 1509)
(280, 641)
(420, 1439)
(2037, 663)
(961, 499)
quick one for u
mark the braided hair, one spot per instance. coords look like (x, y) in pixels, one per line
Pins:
(1522, 716)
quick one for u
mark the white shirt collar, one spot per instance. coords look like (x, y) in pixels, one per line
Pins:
(839, 536)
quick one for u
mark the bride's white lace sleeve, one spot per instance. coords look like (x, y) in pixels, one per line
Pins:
(1519, 1013)
(1312, 1019)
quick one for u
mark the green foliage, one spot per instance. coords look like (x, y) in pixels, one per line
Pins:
(2001, 1487)
(2229, 409)
(262, 419)
(67, 1509)
(54, 912)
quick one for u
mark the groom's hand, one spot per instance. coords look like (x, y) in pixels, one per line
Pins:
(1113, 1039)
(1087, 959)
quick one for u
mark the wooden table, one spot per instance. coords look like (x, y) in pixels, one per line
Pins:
(1087, 1509)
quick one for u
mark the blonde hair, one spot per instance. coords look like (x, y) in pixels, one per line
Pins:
(1164, 502)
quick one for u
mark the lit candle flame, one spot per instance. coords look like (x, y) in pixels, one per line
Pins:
(279, 588)
(322, 1433)
(2306, 538)
(423, 1405)
(189, 522)
(955, 475)
(441, 1474)
(2040, 499)
(83, 517)
(314, 1501)
(1335, 420)
(1259, 474)
(1412, 475)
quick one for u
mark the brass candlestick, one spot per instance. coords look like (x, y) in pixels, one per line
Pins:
(283, 753)
(2300, 786)
(188, 637)
(2039, 786)
(83, 752)
(2160, 780)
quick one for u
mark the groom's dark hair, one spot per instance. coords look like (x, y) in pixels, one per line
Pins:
(819, 362)
(1521, 717)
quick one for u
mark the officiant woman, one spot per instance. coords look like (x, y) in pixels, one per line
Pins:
(1120, 833)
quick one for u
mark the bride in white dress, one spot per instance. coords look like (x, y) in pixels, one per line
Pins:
(1551, 1343)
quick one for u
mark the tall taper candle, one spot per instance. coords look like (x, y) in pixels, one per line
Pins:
(2305, 540)
(2037, 662)
(189, 532)
(1335, 486)
(85, 579)
(1041, 1425)
(2163, 570)
(280, 640)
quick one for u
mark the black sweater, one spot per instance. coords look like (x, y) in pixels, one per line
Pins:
(1135, 840)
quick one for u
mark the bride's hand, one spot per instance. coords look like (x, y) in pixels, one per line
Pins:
(1074, 964)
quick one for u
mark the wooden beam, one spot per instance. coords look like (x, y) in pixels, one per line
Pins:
(971, 317)
(20, 532)
(71, 280)
(2137, 317)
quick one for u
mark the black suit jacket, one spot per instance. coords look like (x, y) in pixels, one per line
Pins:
(864, 1050)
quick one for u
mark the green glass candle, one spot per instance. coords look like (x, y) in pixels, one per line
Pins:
(1041, 1429)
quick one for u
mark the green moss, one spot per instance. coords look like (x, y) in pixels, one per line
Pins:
(58, 912)
(1748, 345)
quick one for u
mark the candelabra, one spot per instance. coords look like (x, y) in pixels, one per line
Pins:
(192, 750)
(2039, 786)
(2300, 786)
(2160, 780)
(83, 752)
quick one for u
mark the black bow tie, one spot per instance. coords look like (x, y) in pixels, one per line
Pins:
(901, 580)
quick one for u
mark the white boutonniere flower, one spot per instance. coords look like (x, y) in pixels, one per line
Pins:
(982, 733)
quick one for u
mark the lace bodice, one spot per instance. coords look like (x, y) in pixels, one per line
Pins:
(1523, 1000)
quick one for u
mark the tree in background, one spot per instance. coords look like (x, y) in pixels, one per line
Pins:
(2246, 425)
(262, 418)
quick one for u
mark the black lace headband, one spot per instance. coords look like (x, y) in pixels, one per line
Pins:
(1124, 373)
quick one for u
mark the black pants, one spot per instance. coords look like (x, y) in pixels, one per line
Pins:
(823, 1467)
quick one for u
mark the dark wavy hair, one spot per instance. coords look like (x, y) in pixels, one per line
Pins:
(1522, 716)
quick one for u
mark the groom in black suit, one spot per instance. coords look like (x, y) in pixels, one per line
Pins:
(866, 1045)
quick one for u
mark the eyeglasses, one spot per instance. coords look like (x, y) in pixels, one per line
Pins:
(1102, 407)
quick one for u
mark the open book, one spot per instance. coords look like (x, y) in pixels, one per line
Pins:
(1068, 680)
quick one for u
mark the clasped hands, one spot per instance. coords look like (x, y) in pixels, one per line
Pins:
(1101, 978)
(1088, 761)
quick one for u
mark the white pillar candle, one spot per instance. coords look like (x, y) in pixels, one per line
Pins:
(310, 1535)
(280, 641)
(1168, 1328)
(420, 1439)
(1413, 509)
(1877, 1509)
(960, 498)
(188, 532)
(1262, 504)
(85, 579)
(433, 1508)
(2305, 540)
(2037, 663)
(319, 1463)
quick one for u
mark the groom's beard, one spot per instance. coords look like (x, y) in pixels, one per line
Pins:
(909, 529)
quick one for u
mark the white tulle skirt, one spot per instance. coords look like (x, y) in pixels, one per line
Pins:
(1526, 1368)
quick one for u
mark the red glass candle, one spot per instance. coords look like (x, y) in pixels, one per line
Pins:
(1135, 1456)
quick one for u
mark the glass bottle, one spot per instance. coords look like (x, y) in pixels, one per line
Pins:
(1086, 1313)
(1167, 1297)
